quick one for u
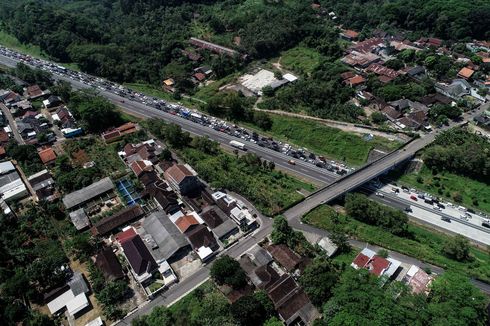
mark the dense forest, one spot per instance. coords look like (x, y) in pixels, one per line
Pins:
(141, 40)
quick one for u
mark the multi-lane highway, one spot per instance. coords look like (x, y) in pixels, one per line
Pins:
(335, 185)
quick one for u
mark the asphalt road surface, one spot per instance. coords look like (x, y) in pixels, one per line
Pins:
(335, 186)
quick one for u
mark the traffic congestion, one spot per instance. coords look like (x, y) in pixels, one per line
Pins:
(245, 135)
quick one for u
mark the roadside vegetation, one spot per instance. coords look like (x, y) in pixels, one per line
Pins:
(448, 185)
(10, 41)
(269, 190)
(324, 140)
(256, 179)
(418, 242)
(456, 158)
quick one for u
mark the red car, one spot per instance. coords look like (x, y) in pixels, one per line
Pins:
(413, 197)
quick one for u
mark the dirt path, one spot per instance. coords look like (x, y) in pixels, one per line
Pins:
(345, 126)
(278, 65)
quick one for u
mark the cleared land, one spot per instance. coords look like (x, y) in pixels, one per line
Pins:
(424, 245)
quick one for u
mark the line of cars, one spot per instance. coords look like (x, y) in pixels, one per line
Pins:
(176, 109)
(439, 205)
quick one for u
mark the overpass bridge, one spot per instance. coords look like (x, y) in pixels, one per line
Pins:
(358, 177)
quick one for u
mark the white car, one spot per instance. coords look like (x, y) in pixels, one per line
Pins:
(379, 194)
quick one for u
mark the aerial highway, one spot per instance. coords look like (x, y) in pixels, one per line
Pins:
(359, 177)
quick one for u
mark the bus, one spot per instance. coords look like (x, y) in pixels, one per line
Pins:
(237, 144)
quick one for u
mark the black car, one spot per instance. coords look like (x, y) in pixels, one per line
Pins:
(446, 219)
(408, 209)
(486, 224)
(471, 210)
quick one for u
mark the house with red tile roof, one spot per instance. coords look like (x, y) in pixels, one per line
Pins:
(349, 35)
(376, 264)
(47, 155)
(355, 81)
(182, 178)
(466, 73)
(186, 223)
(125, 235)
(199, 76)
(139, 167)
(34, 91)
(115, 134)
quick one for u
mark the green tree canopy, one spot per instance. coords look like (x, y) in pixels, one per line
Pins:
(226, 270)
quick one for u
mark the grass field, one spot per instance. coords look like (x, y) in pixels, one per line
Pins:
(448, 185)
(323, 140)
(301, 60)
(425, 245)
(10, 41)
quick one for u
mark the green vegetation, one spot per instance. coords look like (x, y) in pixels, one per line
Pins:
(31, 261)
(103, 155)
(226, 270)
(300, 59)
(358, 297)
(205, 93)
(421, 243)
(203, 306)
(27, 157)
(10, 41)
(449, 185)
(318, 279)
(323, 140)
(323, 94)
(461, 152)
(271, 191)
(33, 76)
(108, 294)
(95, 112)
(282, 233)
(235, 107)
(370, 212)
(456, 158)
(252, 309)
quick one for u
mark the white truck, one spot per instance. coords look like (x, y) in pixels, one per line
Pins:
(237, 144)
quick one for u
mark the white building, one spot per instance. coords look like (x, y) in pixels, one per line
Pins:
(11, 185)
